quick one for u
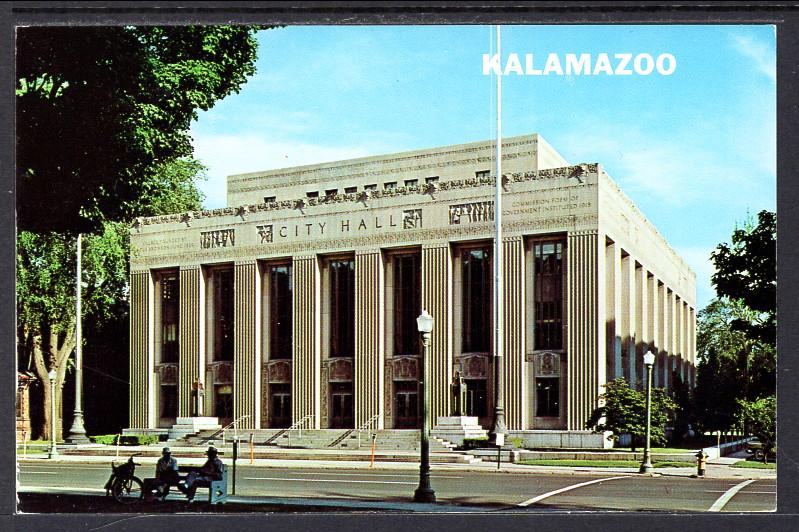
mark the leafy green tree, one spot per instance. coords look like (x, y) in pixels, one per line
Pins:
(746, 270)
(100, 109)
(103, 118)
(622, 410)
(46, 273)
(760, 419)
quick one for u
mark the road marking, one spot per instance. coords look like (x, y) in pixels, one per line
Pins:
(747, 492)
(333, 480)
(567, 488)
(40, 472)
(729, 494)
(377, 475)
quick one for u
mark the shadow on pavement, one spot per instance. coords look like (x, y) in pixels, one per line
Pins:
(61, 503)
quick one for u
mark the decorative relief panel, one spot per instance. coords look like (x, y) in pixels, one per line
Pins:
(475, 366)
(412, 219)
(480, 211)
(221, 372)
(279, 372)
(388, 396)
(405, 368)
(266, 233)
(547, 364)
(340, 369)
(167, 373)
(218, 239)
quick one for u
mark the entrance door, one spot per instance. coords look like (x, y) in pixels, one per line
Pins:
(168, 405)
(280, 406)
(342, 412)
(223, 403)
(476, 399)
(406, 405)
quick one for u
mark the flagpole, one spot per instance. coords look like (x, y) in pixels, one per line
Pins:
(497, 435)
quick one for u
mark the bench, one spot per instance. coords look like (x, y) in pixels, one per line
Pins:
(217, 489)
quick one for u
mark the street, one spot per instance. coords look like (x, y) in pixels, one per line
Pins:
(490, 490)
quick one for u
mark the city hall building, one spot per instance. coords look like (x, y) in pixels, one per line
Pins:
(299, 300)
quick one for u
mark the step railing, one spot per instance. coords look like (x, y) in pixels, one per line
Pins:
(222, 431)
(298, 426)
(365, 426)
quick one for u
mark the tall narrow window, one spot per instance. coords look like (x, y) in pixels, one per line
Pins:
(223, 320)
(169, 317)
(342, 308)
(280, 312)
(476, 301)
(407, 303)
(548, 284)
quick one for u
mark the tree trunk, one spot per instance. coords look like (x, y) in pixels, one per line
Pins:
(58, 350)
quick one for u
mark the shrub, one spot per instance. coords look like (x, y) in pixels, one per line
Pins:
(126, 439)
(474, 443)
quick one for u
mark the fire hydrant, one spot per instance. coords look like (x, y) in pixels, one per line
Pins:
(701, 463)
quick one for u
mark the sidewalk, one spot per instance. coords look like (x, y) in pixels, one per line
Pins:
(323, 459)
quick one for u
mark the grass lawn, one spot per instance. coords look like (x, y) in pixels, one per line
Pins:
(747, 464)
(604, 463)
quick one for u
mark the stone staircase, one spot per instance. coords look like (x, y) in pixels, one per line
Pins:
(386, 440)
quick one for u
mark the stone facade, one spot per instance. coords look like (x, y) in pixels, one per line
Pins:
(368, 229)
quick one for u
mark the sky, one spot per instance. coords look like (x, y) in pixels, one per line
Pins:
(695, 150)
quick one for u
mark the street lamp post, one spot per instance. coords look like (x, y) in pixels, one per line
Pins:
(649, 361)
(425, 493)
(77, 433)
(53, 450)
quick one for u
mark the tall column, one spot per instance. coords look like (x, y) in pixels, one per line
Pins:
(437, 299)
(628, 317)
(612, 321)
(191, 335)
(306, 368)
(674, 353)
(586, 331)
(692, 322)
(369, 336)
(141, 390)
(643, 325)
(665, 346)
(514, 377)
(247, 346)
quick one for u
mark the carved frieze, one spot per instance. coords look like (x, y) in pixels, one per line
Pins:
(547, 364)
(340, 369)
(167, 373)
(475, 366)
(218, 239)
(454, 184)
(221, 372)
(279, 372)
(265, 233)
(405, 368)
(412, 219)
(479, 211)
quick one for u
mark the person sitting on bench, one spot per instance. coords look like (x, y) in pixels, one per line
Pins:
(210, 470)
(166, 475)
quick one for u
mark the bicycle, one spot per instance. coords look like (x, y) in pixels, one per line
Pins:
(123, 485)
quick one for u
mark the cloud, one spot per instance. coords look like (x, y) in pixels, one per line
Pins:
(225, 155)
(763, 55)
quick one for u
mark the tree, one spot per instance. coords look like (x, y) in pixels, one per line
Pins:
(103, 117)
(760, 418)
(623, 411)
(746, 270)
(100, 109)
(46, 273)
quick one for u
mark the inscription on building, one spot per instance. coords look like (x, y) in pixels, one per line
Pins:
(480, 211)
(218, 239)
